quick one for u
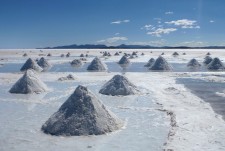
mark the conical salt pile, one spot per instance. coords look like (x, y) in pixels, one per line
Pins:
(161, 64)
(28, 83)
(207, 60)
(124, 60)
(175, 54)
(82, 114)
(44, 63)
(31, 64)
(193, 63)
(116, 54)
(118, 85)
(216, 64)
(76, 62)
(150, 62)
(97, 65)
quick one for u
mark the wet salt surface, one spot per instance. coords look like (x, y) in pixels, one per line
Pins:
(21, 117)
(112, 67)
(211, 92)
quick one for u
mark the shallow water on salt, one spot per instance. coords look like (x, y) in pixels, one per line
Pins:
(21, 117)
(112, 67)
(209, 91)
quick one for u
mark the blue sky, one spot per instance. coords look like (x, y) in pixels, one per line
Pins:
(41, 23)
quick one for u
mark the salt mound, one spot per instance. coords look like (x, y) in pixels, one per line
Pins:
(44, 63)
(69, 77)
(175, 54)
(76, 62)
(116, 54)
(193, 63)
(97, 65)
(124, 60)
(208, 53)
(82, 114)
(28, 83)
(161, 64)
(207, 60)
(31, 64)
(150, 62)
(216, 64)
(118, 85)
(68, 54)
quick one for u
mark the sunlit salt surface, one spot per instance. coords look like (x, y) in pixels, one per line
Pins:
(21, 117)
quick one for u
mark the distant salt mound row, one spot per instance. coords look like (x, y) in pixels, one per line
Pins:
(124, 61)
(118, 85)
(97, 65)
(76, 62)
(31, 64)
(161, 64)
(82, 114)
(150, 62)
(69, 77)
(207, 60)
(216, 64)
(193, 63)
(44, 64)
(29, 83)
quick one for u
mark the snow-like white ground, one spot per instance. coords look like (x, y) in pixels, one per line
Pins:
(191, 124)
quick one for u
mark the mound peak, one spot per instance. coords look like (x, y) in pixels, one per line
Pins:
(193, 63)
(216, 64)
(161, 64)
(124, 60)
(82, 114)
(28, 83)
(118, 85)
(44, 63)
(97, 65)
(31, 64)
(150, 62)
(207, 60)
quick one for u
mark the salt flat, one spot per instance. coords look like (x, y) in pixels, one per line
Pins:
(165, 115)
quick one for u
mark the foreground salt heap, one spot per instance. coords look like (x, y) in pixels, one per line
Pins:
(216, 64)
(29, 83)
(31, 64)
(97, 65)
(44, 63)
(161, 64)
(150, 62)
(124, 60)
(193, 63)
(118, 85)
(82, 114)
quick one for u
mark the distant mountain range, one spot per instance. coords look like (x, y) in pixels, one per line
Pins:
(123, 46)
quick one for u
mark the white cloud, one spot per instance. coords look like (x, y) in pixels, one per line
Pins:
(151, 43)
(211, 21)
(112, 40)
(160, 31)
(192, 43)
(184, 23)
(120, 21)
(169, 13)
(117, 34)
(148, 27)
